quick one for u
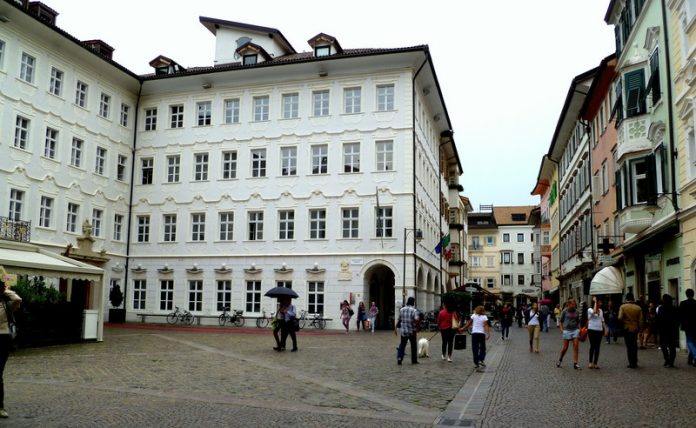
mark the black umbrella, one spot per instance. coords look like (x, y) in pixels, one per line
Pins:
(281, 292)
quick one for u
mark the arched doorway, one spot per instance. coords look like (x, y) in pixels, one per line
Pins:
(380, 280)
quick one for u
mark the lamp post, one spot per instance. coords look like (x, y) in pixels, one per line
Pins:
(418, 234)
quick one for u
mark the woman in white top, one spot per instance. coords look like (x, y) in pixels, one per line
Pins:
(480, 332)
(10, 303)
(534, 327)
(595, 330)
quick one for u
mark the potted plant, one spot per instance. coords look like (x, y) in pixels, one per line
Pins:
(116, 314)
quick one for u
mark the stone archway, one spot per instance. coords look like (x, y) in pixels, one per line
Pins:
(379, 279)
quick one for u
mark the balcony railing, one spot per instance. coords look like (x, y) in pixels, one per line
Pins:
(15, 230)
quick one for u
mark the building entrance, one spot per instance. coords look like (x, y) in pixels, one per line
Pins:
(381, 291)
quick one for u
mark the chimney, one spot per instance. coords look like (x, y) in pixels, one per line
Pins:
(100, 47)
(43, 12)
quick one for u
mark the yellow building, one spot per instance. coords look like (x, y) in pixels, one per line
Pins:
(484, 251)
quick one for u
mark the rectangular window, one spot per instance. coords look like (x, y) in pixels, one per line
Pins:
(506, 237)
(520, 258)
(143, 231)
(195, 301)
(320, 101)
(350, 222)
(97, 220)
(490, 282)
(198, 227)
(261, 108)
(166, 294)
(520, 237)
(232, 111)
(224, 295)
(26, 71)
(507, 280)
(255, 225)
(121, 168)
(475, 261)
(252, 299)
(284, 284)
(475, 242)
(490, 241)
(147, 168)
(16, 203)
(286, 224)
(654, 83)
(639, 185)
(490, 261)
(200, 172)
(385, 97)
(55, 86)
(605, 178)
(320, 159)
(507, 258)
(288, 161)
(520, 279)
(2, 53)
(151, 119)
(81, 94)
(635, 87)
(173, 168)
(384, 222)
(100, 161)
(71, 217)
(46, 211)
(176, 116)
(384, 151)
(205, 113)
(118, 226)
(125, 110)
(21, 132)
(351, 100)
(50, 143)
(291, 106)
(104, 105)
(169, 221)
(317, 224)
(315, 297)
(258, 163)
(249, 59)
(229, 165)
(139, 294)
(351, 157)
(226, 226)
(76, 152)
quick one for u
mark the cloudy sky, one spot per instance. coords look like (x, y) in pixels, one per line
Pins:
(504, 66)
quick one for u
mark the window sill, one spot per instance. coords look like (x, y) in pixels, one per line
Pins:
(171, 182)
(230, 123)
(202, 126)
(287, 176)
(60, 97)
(24, 150)
(96, 174)
(350, 173)
(261, 121)
(199, 181)
(296, 118)
(316, 240)
(384, 171)
(104, 118)
(77, 168)
(50, 159)
(348, 239)
(284, 240)
(259, 178)
(47, 229)
(228, 179)
(32, 84)
(385, 111)
(318, 174)
(319, 116)
(80, 107)
(357, 113)
(167, 242)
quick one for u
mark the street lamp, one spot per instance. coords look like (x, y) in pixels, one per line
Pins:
(418, 235)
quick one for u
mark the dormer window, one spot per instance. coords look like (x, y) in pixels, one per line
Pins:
(250, 59)
(322, 51)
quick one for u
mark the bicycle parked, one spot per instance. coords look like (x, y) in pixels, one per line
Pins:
(317, 320)
(185, 317)
(264, 321)
(235, 317)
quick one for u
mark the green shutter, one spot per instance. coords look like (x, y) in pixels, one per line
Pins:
(618, 188)
(635, 84)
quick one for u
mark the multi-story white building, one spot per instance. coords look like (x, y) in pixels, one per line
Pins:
(517, 259)
(328, 171)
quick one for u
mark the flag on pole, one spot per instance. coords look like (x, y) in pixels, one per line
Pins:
(444, 243)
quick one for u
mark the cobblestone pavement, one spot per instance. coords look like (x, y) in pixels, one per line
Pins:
(206, 376)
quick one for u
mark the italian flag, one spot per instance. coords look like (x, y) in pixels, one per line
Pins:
(444, 243)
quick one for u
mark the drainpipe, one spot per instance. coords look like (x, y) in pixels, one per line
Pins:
(670, 110)
(588, 129)
(130, 198)
(413, 132)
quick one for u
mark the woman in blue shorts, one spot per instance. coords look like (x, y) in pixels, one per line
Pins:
(570, 327)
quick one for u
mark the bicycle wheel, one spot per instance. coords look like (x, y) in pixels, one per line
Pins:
(171, 318)
(321, 323)
(222, 319)
(303, 322)
(239, 322)
(261, 322)
(187, 319)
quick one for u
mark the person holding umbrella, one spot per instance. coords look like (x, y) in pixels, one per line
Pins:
(285, 316)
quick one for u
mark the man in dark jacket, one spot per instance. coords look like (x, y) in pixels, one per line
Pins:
(687, 314)
(667, 320)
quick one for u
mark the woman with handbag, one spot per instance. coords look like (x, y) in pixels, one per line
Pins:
(570, 329)
(448, 323)
(596, 329)
(534, 323)
(10, 303)
(346, 314)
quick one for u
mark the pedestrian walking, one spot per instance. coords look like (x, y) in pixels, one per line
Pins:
(687, 317)
(557, 314)
(533, 318)
(570, 329)
(372, 316)
(361, 316)
(649, 330)
(448, 324)
(610, 318)
(346, 314)
(407, 326)
(544, 317)
(288, 326)
(480, 332)
(506, 316)
(596, 328)
(667, 325)
(10, 303)
(277, 325)
(631, 315)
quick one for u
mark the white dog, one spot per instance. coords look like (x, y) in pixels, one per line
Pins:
(423, 348)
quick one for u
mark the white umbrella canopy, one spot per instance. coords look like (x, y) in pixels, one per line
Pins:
(607, 281)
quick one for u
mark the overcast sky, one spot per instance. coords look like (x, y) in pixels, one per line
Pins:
(504, 66)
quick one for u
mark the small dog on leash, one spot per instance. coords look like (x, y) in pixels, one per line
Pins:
(423, 348)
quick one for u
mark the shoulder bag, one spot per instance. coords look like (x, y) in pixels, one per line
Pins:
(455, 322)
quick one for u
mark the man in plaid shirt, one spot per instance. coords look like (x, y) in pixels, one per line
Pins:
(408, 322)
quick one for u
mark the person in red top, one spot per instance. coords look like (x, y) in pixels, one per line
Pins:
(444, 324)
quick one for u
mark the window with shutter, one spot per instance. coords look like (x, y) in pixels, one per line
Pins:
(617, 110)
(651, 180)
(619, 194)
(654, 82)
(635, 82)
